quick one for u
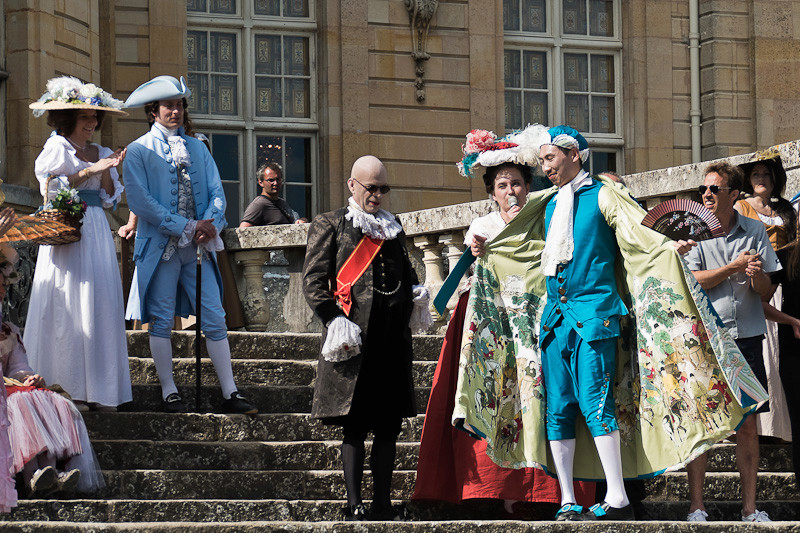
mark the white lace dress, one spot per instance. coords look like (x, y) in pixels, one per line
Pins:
(75, 330)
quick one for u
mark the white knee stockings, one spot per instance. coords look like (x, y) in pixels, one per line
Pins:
(219, 352)
(611, 459)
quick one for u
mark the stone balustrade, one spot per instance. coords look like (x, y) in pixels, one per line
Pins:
(269, 259)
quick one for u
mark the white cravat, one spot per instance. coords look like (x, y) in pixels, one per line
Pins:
(381, 225)
(177, 145)
(560, 243)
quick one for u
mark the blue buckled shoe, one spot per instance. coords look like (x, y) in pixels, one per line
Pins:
(603, 511)
(569, 512)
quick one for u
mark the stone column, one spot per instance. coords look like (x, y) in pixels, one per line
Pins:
(296, 313)
(254, 302)
(453, 243)
(434, 273)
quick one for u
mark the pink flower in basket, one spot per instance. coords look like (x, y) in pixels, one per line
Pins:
(478, 141)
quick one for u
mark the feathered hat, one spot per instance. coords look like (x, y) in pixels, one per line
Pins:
(484, 149)
(66, 92)
(567, 137)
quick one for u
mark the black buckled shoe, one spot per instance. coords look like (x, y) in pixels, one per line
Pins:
(238, 404)
(387, 514)
(569, 512)
(603, 511)
(355, 513)
(173, 403)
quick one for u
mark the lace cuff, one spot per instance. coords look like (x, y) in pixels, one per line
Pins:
(421, 319)
(187, 238)
(343, 340)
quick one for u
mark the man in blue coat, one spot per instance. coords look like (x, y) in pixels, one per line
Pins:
(580, 323)
(174, 187)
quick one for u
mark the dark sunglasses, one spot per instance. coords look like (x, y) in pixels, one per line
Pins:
(713, 188)
(372, 189)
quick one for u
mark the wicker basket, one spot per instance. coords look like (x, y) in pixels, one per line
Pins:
(73, 221)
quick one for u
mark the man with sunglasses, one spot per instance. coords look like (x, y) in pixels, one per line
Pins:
(269, 208)
(358, 280)
(734, 270)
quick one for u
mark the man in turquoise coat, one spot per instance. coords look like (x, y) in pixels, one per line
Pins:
(174, 187)
(580, 323)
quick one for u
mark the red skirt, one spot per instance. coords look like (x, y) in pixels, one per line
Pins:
(454, 466)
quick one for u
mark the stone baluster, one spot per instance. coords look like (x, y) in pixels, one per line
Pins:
(296, 312)
(434, 273)
(453, 243)
(254, 301)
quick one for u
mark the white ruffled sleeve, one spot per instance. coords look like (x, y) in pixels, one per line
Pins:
(56, 159)
(343, 340)
(110, 199)
(488, 226)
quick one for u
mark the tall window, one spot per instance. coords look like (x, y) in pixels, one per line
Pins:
(252, 75)
(561, 66)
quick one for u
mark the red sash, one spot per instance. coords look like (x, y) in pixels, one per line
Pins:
(353, 268)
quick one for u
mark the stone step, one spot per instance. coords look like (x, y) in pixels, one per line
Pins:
(327, 484)
(110, 511)
(319, 455)
(221, 428)
(247, 345)
(261, 372)
(458, 526)
(274, 399)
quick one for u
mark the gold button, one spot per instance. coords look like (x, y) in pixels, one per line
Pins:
(561, 280)
(561, 268)
(558, 310)
(579, 324)
(563, 299)
(546, 328)
(606, 322)
(562, 291)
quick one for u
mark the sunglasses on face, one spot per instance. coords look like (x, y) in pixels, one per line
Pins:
(713, 188)
(372, 189)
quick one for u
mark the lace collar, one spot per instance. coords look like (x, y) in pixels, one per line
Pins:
(177, 144)
(382, 225)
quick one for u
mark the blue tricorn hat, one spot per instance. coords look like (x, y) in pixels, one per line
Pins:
(159, 88)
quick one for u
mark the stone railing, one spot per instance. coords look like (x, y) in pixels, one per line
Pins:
(268, 260)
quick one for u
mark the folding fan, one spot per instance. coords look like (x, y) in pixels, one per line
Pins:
(683, 219)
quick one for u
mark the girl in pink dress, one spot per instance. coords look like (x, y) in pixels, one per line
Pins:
(48, 440)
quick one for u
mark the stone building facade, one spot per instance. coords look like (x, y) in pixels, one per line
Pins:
(317, 83)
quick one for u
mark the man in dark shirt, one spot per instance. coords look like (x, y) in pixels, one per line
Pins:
(268, 208)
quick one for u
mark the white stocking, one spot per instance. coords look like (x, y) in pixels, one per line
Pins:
(220, 354)
(161, 349)
(564, 455)
(611, 459)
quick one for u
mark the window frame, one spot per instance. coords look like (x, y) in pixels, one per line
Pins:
(247, 25)
(557, 44)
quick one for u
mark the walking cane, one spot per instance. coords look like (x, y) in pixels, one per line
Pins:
(197, 312)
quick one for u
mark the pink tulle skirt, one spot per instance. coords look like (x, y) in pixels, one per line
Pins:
(8, 494)
(43, 421)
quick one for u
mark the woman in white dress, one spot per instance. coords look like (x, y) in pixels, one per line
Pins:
(75, 329)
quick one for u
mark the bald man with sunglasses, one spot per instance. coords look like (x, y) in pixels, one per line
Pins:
(358, 279)
(733, 270)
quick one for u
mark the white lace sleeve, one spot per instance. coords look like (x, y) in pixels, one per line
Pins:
(110, 199)
(421, 319)
(343, 340)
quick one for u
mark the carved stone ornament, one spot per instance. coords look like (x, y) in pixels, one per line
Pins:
(420, 13)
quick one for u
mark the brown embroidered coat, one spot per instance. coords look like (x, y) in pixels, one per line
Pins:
(331, 240)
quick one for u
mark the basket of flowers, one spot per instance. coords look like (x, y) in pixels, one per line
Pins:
(67, 208)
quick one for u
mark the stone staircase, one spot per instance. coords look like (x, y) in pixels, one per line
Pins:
(280, 470)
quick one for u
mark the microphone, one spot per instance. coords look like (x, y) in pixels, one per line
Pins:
(512, 201)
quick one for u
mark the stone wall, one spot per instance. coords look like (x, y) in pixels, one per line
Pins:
(370, 102)
(43, 40)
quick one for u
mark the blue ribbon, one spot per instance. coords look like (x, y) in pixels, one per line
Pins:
(453, 279)
(92, 198)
